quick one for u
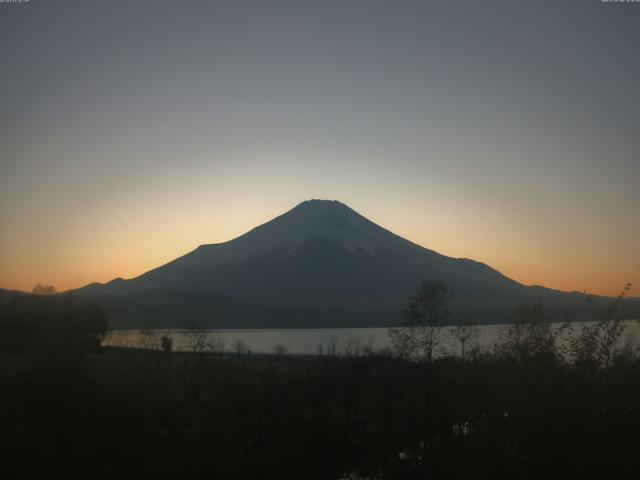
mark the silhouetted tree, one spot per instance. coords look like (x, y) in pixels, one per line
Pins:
(240, 346)
(530, 335)
(596, 345)
(149, 339)
(417, 335)
(196, 338)
(217, 342)
(280, 350)
(356, 347)
(166, 343)
(40, 289)
(467, 334)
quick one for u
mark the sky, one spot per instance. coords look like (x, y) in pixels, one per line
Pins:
(506, 132)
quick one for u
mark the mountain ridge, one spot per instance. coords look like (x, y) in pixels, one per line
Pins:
(322, 256)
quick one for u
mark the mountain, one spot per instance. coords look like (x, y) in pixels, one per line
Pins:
(4, 296)
(319, 264)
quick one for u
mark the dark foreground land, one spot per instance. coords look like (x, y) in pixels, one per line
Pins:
(136, 414)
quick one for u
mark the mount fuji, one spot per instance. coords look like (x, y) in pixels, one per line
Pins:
(320, 264)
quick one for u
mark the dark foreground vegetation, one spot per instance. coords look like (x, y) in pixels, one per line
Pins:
(527, 409)
(40, 323)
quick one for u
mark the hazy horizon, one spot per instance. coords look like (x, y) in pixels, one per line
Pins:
(504, 133)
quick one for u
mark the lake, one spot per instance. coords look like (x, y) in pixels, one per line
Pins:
(317, 340)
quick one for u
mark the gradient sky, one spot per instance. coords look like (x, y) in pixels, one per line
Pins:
(507, 132)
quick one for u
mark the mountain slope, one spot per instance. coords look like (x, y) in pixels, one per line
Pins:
(319, 245)
(319, 264)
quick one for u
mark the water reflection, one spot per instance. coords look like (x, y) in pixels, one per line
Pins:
(320, 341)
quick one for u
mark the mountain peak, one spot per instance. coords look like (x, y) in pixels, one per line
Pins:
(311, 212)
(321, 205)
(320, 201)
(327, 219)
(311, 220)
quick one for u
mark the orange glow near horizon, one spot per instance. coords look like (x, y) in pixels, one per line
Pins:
(98, 254)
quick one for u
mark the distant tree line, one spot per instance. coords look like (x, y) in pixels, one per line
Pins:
(35, 322)
(41, 289)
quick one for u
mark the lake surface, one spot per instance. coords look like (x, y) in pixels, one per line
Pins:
(317, 340)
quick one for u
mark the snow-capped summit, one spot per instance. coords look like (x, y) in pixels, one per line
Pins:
(312, 220)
